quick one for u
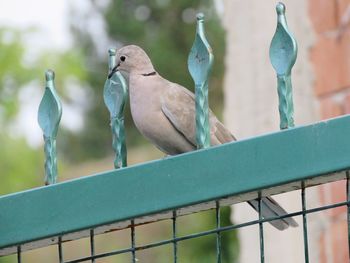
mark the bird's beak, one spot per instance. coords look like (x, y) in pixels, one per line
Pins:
(114, 70)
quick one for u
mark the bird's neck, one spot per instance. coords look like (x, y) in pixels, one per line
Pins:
(149, 74)
(144, 70)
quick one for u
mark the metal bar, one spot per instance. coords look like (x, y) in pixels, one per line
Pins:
(60, 250)
(92, 245)
(210, 232)
(174, 236)
(19, 254)
(49, 116)
(305, 233)
(133, 250)
(283, 53)
(115, 95)
(261, 232)
(348, 206)
(199, 62)
(318, 149)
(218, 234)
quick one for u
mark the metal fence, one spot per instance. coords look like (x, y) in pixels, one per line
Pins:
(209, 179)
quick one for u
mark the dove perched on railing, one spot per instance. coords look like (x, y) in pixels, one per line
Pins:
(164, 112)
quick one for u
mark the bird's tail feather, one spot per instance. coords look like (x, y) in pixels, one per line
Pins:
(270, 208)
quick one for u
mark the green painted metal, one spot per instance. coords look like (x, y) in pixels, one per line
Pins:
(49, 116)
(305, 232)
(115, 94)
(283, 53)
(174, 226)
(218, 234)
(200, 61)
(261, 233)
(246, 166)
(348, 206)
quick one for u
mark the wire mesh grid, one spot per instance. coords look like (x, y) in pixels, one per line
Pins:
(135, 251)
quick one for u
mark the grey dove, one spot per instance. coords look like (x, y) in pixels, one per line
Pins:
(164, 112)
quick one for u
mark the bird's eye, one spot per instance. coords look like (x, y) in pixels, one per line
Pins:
(122, 58)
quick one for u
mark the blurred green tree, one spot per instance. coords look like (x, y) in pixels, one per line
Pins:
(165, 29)
(22, 166)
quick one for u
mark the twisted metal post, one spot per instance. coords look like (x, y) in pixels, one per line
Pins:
(49, 116)
(283, 53)
(200, 61)
(115, 95)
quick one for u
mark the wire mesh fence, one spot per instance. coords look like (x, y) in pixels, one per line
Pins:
(170, 240)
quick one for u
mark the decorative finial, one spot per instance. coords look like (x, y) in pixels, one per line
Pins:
(280, 8)
(49, 75)
(115, 94)
(283, 53)
(200, 17)
(112, 51)
(200, 61)
(49, 117)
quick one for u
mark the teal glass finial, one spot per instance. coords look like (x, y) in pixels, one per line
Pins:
(115, 94)
(283, 54)
(200, 16)
(112, 53)
(280, 8)
(111, 61)
(49, 117)
(49, 75)
(200, 61)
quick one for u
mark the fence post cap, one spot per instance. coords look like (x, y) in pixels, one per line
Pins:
(49, 75)
(280, 8)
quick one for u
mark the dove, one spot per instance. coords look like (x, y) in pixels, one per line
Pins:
(164, 112)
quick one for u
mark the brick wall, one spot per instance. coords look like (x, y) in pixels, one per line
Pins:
(330, 58)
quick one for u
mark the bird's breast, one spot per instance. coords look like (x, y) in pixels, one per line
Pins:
(144, 103)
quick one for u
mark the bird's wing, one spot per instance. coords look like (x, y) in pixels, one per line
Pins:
(178, 105)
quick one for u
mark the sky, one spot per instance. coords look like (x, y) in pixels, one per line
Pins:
(48, 16)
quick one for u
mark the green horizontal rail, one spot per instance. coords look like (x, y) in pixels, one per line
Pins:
(241, 167)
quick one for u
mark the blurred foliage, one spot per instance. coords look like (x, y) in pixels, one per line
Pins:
(17, 70)
(21, 166)
(13, 74)
(204, 249)
(166, 30)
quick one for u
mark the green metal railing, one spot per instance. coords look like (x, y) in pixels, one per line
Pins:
(210, 178)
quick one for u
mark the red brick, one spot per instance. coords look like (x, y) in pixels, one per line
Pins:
(332, 193)
(338, 191)
(344, 57)
(326, 61)
(323, 246)
(322, 14)
(346, 104)
(339, 233)
(338, 194)
(330, 108)
(342, 8)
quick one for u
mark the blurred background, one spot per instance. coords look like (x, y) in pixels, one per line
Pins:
(72, 38)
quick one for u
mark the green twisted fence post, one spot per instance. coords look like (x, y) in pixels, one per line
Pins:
(49, 116)
(283, 53)
(115, 94)
(200, 61)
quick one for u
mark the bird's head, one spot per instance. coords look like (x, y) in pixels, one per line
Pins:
(132, 59)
